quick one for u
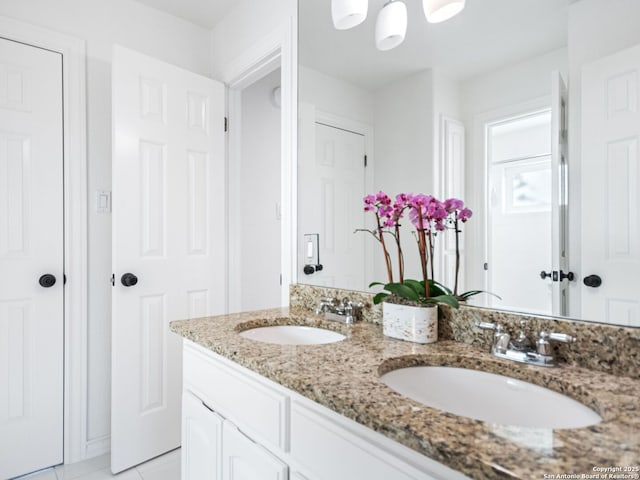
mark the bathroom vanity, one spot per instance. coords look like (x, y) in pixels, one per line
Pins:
(321, 412)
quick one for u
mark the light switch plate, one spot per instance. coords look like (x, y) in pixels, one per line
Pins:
(311, 253)
(103, 201)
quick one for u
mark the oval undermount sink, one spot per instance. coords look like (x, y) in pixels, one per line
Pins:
(292, 335)
(490, 397)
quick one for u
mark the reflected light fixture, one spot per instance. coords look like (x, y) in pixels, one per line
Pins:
(438, 11)
(391, 23)
(348, 13)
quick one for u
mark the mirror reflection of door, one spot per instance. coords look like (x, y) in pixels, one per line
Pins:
(332, 163)
(519, 217)
(610, 237)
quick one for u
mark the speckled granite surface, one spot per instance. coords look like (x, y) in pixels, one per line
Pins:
(605, 348)
(344, 377)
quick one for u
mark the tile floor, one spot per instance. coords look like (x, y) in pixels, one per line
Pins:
(166, 467)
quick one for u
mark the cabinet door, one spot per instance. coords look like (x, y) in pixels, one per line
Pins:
(244, 459)
(201, 440)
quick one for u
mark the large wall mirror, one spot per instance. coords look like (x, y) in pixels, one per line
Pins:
(528, 110)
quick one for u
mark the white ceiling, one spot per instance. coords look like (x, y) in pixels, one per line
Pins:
(206, 13)
(488, 34)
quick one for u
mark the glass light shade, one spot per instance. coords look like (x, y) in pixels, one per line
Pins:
(440, 10)
(348, 13)
(391, 25)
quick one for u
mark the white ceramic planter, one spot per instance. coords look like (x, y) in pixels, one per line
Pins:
(413, 324)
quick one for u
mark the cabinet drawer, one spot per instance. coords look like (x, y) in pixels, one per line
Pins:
(256, 408)
(325, 449)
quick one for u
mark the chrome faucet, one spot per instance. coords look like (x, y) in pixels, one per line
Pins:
(344, 311)
(520, 349)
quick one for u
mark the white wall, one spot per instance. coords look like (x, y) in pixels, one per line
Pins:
(260, 196)
(597, 28)
(404, 146)
(101, 24)
(248, 23)
(513, 84)
(331, 95)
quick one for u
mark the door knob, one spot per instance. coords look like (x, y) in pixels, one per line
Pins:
(569, 276)
(128, 279)
(47, 280)
(544, 274)
(592, 281)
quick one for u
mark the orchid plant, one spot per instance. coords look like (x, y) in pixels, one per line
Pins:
(429, 216)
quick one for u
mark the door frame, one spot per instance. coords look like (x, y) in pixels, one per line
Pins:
(478, 167)
(278, 49)
(76, 443)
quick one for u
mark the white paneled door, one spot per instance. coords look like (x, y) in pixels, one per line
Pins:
(610, 267)
(168, 241)
(31, 247)
(331, 206)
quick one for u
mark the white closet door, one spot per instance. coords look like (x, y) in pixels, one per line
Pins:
(331, 205)
(168, 231)
(610, 189)
(31, 245)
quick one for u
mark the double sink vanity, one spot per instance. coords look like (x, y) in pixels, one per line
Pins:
(285, 393)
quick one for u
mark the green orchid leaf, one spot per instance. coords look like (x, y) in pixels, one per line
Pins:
(403, 291)
(445, 290)
(415, 285)
(379, 297)
(374, 284)
(435, 290)
(471, 293)
(446, 299)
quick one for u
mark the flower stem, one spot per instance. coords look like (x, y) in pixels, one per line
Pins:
(422, 247)
(455, 286)
(400, 259)
(431, 250)
(387, 259)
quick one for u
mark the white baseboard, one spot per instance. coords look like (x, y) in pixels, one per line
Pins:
(98, 446)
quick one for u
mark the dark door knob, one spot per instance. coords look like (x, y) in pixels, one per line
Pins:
(47, 280)
(544, 274)
(129, 279)
(569, 276)
(592, 281)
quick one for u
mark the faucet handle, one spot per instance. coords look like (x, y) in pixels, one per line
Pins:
(562, 337)
(543, 344)
(488, 325)
(353, 311)
(324, 303)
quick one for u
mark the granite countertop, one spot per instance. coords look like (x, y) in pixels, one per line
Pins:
(344, 377)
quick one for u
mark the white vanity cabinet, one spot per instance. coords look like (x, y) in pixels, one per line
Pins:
(213, 448)
(243, 459)
(201, 440)
(249, 428)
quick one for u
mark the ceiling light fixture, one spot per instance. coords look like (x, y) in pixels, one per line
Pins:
(440, 10)
(391, 23)
(348, 13)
